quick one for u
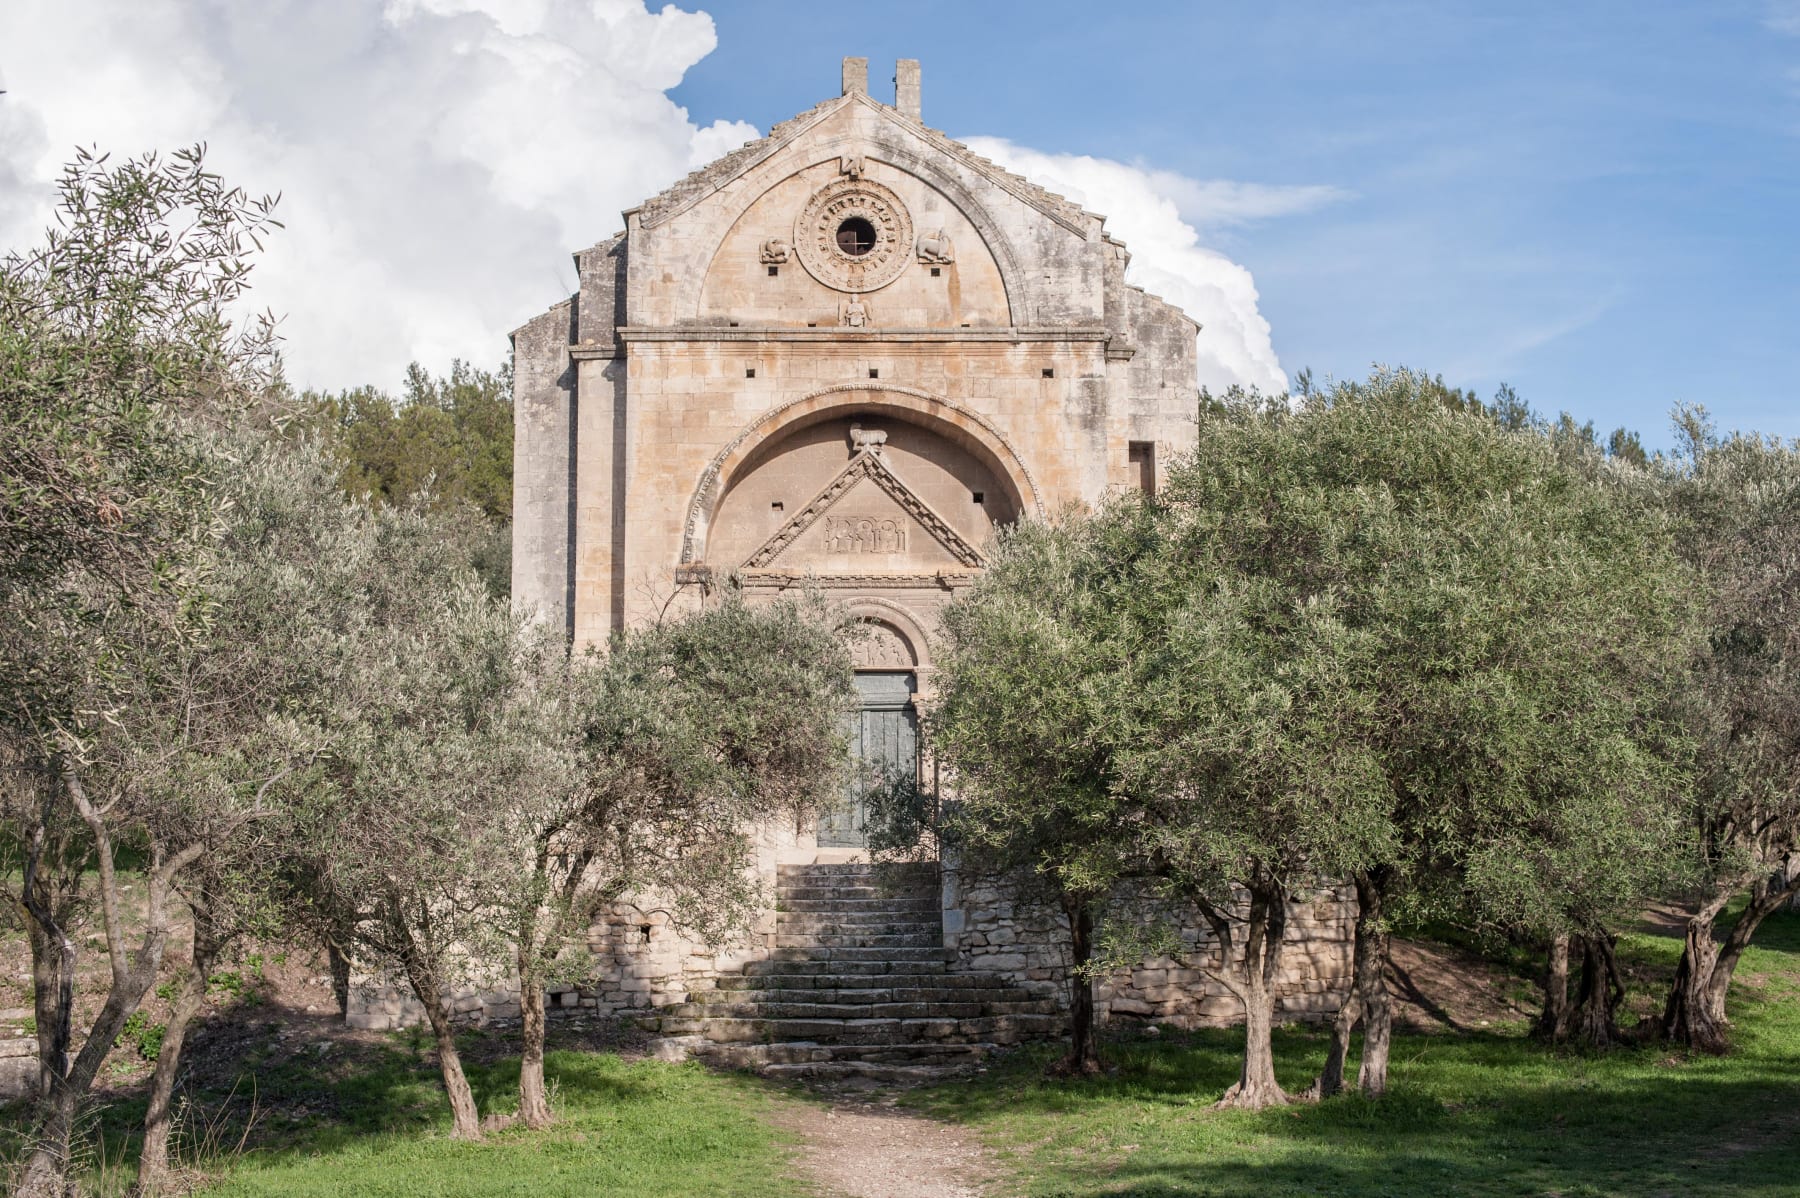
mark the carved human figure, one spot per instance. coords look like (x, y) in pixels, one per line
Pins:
(934, 248)
(776, 252)
(856, 314)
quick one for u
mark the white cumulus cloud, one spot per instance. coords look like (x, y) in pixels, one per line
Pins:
(438, 159)
(1160, 215)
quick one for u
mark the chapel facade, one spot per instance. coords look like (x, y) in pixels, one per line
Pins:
(840, 356)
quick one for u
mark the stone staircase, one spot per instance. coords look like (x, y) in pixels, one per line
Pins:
(859, 983)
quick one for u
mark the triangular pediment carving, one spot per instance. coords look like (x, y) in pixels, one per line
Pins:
(887, 521)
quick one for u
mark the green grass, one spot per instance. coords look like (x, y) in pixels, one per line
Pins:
(639, 1128)
(1486, 1114)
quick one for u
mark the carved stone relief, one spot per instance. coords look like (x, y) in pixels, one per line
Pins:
(775, 252)
(851, 264)
(934, 248)
(879, 646)
(864, 534)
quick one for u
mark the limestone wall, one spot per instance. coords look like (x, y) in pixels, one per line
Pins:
(992, 933)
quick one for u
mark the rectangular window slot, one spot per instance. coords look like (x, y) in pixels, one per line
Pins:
(812, 324)
(776, 506)
(1142, 454)
(977, 496)
(874, 373)
(935, 272)
(734, 324)
(773, 271)
(1049, 372)
(750, 372)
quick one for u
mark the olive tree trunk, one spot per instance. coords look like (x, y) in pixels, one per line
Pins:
(1367, 1000)
(1553, 1022)
(534, 1099)
(465, 1120)
(1594, 1021)
(1250, 977)
(45, 1171)
(1084, 1047)
(1694, 1013)
(153, 1160)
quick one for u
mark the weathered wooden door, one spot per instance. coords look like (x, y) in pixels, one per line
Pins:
(884, 748)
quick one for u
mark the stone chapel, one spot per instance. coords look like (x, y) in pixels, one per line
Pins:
(841, 356)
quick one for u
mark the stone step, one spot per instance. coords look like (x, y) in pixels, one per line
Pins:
(855, 938)
(767, 1056)
(877, 922)
(889, 954)
(861, 869)
(762, 1007)
(930, 905)
(776, 992)
(800, 965)
(786, 893)
(997, 1029)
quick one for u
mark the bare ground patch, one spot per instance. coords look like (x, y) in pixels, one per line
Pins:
(867, 1148)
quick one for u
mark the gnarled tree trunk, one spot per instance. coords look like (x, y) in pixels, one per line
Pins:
(465, 1119)
(1251, 979)
(1695, 1011)
(1553, 1022)
(133, 973)
(1084, 1049)
(534, 1099)
(1371, 982)
(1594, 1021)
(1366, 1002)
(153, 1160)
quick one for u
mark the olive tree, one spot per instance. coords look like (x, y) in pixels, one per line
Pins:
(1482, 633)
(1738, 500)
(115, 350)
(677, 742)
(1023, 681)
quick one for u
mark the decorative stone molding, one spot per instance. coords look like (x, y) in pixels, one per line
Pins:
(949, 580)
(881, 646)
(870, 465)
(927, 409)
(846, 200)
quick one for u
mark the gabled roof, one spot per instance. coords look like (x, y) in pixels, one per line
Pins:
(694, 187)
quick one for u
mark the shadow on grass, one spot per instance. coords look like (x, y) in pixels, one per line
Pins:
(1484, 1113)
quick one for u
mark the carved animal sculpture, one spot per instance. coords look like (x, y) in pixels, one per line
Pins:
(934, 248)
(775, 251)
(869, 439)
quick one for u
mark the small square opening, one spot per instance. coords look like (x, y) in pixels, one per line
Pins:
(776, 506)
(1142, 454)
(773, 271)
(750, 372)
(812, 324)
(734, 324)
(935, 272)
(1049, 372)
(978, 496)
(874, 373)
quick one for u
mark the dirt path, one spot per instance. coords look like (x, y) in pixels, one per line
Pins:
(873, 1150)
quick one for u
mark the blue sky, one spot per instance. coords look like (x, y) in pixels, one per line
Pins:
(1594, 202)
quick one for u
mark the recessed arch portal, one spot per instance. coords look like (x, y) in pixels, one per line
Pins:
(943, 418)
